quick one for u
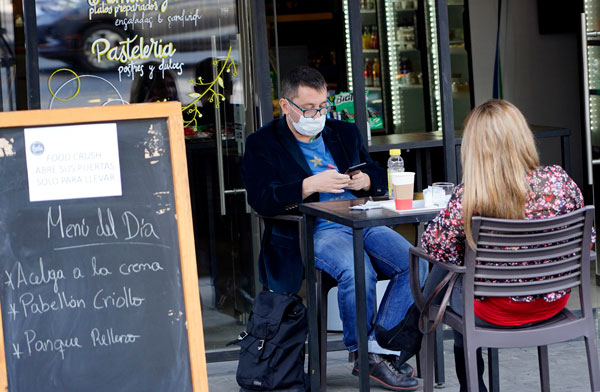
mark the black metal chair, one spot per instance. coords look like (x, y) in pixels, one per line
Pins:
(561, 248)
(324, 283)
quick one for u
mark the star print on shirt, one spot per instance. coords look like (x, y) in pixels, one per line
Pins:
(316, 161)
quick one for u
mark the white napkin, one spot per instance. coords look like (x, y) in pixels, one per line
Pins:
(428, 196)
(369, 205)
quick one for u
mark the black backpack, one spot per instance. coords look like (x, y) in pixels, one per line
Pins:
(272, 346)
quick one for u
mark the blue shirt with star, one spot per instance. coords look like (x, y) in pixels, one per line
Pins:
(318, 158)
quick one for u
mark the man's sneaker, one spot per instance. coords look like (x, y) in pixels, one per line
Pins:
(383, 371)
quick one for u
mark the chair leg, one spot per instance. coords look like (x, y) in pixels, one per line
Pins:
(438, 358)
(493, 370)
(544, 368)
(592, 357)
(471, 366)
(426, 354)
(322, 319)
(418, 361)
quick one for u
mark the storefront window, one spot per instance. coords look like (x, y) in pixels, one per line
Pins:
(91, 52)
(109, 52)
(7, 57)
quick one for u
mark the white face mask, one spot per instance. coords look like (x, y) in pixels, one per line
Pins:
(309, 126)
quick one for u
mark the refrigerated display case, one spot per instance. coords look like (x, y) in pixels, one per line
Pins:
(372, 65)
(408, 92)
(590, 46)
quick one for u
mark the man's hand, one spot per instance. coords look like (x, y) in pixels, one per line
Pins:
(359, 181)
(328, 181)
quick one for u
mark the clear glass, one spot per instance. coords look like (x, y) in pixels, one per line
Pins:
(185, 51)
(441, 193)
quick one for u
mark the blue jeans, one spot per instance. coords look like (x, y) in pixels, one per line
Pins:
(386, 252)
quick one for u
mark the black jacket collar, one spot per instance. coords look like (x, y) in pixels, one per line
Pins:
(330, 138)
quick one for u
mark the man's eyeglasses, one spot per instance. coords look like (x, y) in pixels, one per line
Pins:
(311, 113)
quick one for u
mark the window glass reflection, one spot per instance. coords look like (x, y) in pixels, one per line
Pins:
(113, 52)
(7, 58)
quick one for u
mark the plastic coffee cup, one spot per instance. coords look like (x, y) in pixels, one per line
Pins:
(441, 193)
(403, 184)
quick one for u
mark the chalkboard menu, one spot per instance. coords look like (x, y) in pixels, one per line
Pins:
(99, 286)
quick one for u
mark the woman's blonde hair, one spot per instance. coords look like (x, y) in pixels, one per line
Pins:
(498, 150)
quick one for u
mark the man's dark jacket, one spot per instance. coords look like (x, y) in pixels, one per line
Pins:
(273, 169)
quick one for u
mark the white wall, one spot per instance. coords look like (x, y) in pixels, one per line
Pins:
(540, 73)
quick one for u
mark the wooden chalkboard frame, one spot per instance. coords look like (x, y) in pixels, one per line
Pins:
(171, 111)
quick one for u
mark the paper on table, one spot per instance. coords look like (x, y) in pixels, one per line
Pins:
(369, 205)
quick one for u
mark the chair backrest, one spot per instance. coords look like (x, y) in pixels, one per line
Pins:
(557, 250)
(299, 219)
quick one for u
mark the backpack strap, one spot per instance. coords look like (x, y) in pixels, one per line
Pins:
(241, 336)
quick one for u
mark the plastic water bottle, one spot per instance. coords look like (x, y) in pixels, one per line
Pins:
(395, 164)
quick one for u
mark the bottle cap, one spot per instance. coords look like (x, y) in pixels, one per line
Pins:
(395, 151)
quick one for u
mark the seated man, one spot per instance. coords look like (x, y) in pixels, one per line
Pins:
(300, 158)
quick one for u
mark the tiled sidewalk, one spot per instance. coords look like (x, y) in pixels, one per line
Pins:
(518, 370)
(518, 367)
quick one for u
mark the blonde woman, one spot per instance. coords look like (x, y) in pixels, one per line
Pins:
(502, 178)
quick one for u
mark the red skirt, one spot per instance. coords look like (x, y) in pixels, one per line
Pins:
(506, 312)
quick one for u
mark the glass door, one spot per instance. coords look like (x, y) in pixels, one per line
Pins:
(99, 52)
(459, 62)
(372, 68)
(8, 70)
(407, 56)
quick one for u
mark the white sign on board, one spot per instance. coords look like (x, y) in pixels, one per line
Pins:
(73, 162)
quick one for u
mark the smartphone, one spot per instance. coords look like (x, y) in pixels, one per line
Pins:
(355, 168)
